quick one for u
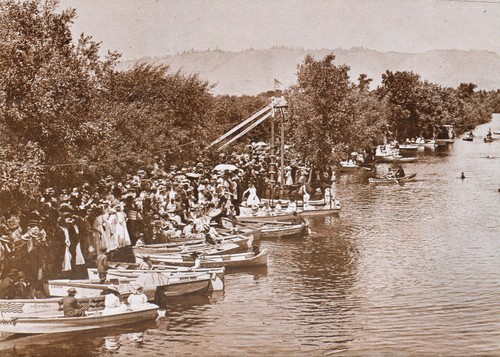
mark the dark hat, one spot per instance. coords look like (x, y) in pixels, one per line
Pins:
(146, 257)
(71, 291)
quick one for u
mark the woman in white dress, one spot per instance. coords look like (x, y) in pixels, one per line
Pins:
(137, 300)
(112, 303)
(121, 232)
(252, 198)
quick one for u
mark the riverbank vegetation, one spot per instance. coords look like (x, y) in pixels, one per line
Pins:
(68, 116)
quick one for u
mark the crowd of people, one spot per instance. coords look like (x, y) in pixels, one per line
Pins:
(70, 226)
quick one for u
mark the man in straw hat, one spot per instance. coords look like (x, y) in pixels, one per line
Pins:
(71, 306)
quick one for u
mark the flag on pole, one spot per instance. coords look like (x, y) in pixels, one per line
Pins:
(278, 85)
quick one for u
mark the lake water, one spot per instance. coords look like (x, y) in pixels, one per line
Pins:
(403, 270)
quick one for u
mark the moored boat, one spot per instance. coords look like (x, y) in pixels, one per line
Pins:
(272, 229)
(10, 308)
(216, 261)
(61, 324)
(149, 283)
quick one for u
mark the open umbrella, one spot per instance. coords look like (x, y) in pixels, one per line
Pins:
(225, 167)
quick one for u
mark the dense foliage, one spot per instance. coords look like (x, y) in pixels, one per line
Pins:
(67, 115)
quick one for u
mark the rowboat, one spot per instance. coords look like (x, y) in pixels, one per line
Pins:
(60, 324)
(10, 308)
(389, 180)
(289, 216)
(216, 261)
(396, 158)
(284, 202)
(345, 166)
(217, 281)
(408, 147)
(149, 283)
(272, 229)
(468, 137)
(224, 248)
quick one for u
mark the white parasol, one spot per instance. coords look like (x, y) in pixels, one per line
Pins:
(225, 167)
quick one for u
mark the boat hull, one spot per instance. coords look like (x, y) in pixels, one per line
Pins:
(226, 261)
(45, 325)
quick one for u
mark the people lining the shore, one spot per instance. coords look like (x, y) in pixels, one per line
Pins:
(72, 226)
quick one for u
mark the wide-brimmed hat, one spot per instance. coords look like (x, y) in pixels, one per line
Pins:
(13, 272)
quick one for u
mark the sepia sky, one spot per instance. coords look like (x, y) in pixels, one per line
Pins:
(138, 28)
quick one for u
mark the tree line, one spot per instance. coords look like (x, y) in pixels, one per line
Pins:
(68, 116)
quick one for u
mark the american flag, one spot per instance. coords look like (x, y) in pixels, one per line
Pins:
(278, 85)
(11, 307)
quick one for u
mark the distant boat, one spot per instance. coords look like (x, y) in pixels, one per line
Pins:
(389, 180)
(61, 324)
(468, 137)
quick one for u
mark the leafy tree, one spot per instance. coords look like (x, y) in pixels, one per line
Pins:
(321, 108)
(49, 92)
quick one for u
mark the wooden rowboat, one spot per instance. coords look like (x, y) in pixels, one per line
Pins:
(389, 180)
(272, 229)
(149, 283)
(60, 324)
(216, 261)
(289, 216)
(10, 308)
(216, 283)
(225, 248)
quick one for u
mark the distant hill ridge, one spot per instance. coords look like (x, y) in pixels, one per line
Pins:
(253, 71)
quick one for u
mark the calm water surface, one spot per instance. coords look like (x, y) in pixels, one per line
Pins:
(404, 270)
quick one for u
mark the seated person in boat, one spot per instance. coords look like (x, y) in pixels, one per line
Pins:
(71, 307)
(137, 300)
(318, 195)
(112, 303)
(400, 172)
(146, 263)
(292, 206)
(277, 208)
(264, 210)
(297, 219)
(140, 240)
(390, 174)
(8, 285)
(24, 290)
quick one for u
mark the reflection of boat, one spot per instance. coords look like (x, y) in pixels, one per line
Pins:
(216, 261)
(386, 180)
(61, 324)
